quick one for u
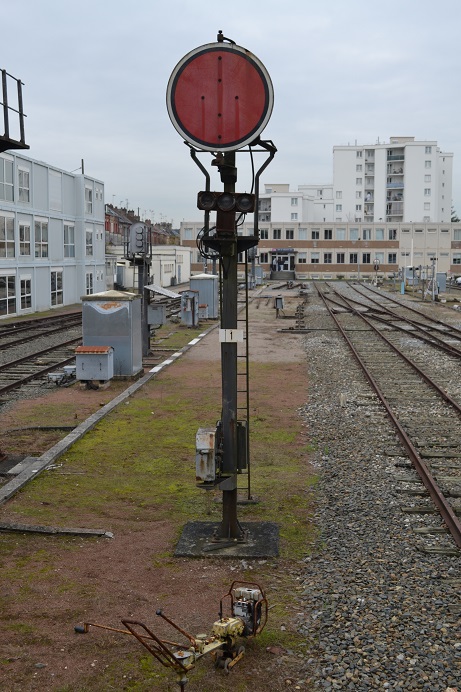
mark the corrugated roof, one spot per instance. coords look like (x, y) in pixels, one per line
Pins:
(163, 291)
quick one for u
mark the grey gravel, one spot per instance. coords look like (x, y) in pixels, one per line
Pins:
(380, 614)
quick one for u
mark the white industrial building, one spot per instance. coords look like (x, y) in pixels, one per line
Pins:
(52, 244)
(388, 202)
(170, 265)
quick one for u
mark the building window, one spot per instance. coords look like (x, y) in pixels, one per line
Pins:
(366, 258)
(340, 234)
(379, 256)
(392, 234)
(264, 234)
(358, 154)
(353, 258)
(56, 288)
(188, 234)
(315, 257)
(339, 207)
(339, 194)
(354, 234)
(294, 201)
(26, 294)
(302, 234)
(379, 234)
(328, 234)
(88, 200)
(456, 259)
(392, 258)
(358, 181)
(302, 257)
(427, 191)
(428, 150)
(24, 185)
(427, 164)
(358, 194)
(289, 234)
(6, 180)
(358, 207)
(340, 258)
(7, 248)
(7, 295)
(41, 238)
(69, 241)
(319, 193)
(89, 283)
(327, 257)
(89, 243)
(315, 234)
(427, 178)
(263, 258)
(294, 216)
(366, 233)
(277, 234)
(358, 168)
(24, 239)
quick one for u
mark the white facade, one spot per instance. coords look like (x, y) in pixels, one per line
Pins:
(170, 266)
(52, 245)
(403, 181)
(327, 250)
(398, 182)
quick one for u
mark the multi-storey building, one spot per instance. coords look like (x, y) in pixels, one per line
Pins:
(388, 202)
(52, 248)
(402, 181)
(330, 250)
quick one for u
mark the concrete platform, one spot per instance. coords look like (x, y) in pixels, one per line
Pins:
(262, 541)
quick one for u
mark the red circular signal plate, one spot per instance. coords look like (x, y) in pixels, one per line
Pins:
(220, 97)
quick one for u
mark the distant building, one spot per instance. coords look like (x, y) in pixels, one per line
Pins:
(52, 246)
(387, 202)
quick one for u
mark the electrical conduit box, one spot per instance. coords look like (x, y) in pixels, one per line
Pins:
(94, 363)
(205, 456)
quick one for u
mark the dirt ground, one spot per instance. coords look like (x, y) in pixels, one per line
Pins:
(51, 583)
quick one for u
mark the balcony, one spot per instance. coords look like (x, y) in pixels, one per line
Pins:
(395, 186)
(396, 156)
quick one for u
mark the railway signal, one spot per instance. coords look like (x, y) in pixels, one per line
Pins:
(220, 99)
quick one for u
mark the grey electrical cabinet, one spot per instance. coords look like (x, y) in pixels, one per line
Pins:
(113, 318)
(207, 287)
(94, 363)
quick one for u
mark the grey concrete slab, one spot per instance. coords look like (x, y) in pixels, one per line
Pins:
(261, 541)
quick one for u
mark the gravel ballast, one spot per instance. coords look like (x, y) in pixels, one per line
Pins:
(380, 613)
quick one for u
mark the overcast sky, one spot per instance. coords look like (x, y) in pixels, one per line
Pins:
(96, 72)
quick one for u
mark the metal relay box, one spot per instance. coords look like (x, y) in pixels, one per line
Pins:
(205, 455)
(94, 363)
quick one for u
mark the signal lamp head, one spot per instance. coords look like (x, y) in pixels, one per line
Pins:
(226, 201)
(206, 200)
(245, 203)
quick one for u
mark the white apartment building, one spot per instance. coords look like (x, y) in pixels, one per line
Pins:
(403, 181)
(52, 245)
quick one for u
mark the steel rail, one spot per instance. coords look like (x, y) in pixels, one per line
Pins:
(407, 307)
(438, 325)
(37, 373)
(420, 332)
(36, 335)
(446, 511)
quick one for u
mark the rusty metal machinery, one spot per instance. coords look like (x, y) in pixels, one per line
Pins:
(247, 608)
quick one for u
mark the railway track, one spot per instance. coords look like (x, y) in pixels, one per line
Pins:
(21, 371)
(21, 332)
(420, 392)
